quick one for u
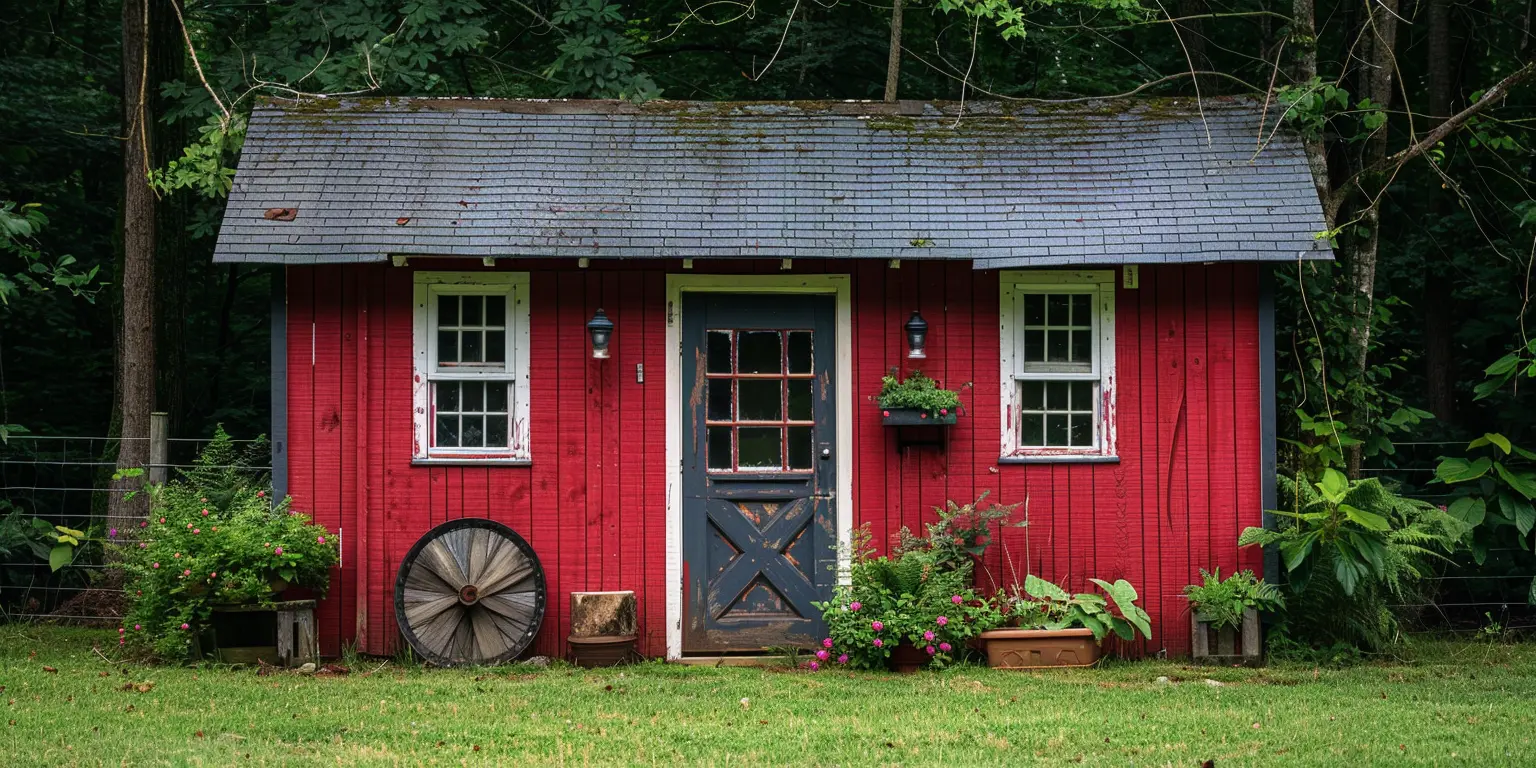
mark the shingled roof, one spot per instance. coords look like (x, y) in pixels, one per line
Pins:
(1003, 185)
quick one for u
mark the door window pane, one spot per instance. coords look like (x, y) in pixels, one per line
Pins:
(799, 447)
(759, 448)
(719, 400)
(799, 352)
(758, 352)
(718, 356)
(800, 408)
(760, 400)
(759, 382)
(718, 447)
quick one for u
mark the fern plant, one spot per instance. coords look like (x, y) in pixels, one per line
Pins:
(1222, 602)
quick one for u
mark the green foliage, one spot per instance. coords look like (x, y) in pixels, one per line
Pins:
(1222, 602)
(917, 596)
(25, 268)
(1041, 604)
(919, 393)
(1493, 491)
(597, 56)
(1350, 549)
(214, 537)
(962, 532)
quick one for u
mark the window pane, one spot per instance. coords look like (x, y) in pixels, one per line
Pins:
(799, 448)
(1057, 309)
(472, 346)
(719, 356)
(759, 448)
(1056, 396)
(718, 447)
(1034, 396)
(447, 311)
(495, 346)
(1082, 313)
(474, 396)
(1082, 346)
(1056, 430)
(496, 396)
(495, 431)
(472, 306)
(1034, 309)
(1032, 430)
(719, 400)
(496, 311)
(448, 431)
(447, 395)
(1034, 346)
(799, 351)
(1082, 430)
(759, 352)
(473, 431)
(800, 408)
(1055, 346)
(1082, 396)
(447, 347)
(760, 400)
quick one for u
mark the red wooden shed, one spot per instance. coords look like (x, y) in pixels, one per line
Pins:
(1095, 280)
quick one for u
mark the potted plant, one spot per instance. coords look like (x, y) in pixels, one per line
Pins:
(910, 610)
(1224, 616)
(214, 539)
(1053, 628)
(917, 401)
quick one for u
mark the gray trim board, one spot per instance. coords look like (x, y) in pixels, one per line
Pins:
(279, 436)
(1268, 467)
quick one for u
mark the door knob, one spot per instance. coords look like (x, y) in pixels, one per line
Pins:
(826, 453)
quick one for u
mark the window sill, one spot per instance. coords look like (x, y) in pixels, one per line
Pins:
(456, 461)
(1059, 458)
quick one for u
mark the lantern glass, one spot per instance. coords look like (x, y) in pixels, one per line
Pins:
(601, 330)
(917, 337)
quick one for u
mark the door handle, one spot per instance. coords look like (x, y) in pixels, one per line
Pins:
(826, 453)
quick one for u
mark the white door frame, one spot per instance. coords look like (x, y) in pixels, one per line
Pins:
(836, 285)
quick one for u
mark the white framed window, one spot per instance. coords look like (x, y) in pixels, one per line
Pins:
(1058, 363)
(471, 366)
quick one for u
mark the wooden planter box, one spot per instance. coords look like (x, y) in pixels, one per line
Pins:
(1040, 648)
(911, 417)
(282, 634)
(1243, 645)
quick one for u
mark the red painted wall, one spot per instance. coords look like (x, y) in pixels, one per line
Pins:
(593, 504)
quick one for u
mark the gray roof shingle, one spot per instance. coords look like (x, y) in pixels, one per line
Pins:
(1094, 183)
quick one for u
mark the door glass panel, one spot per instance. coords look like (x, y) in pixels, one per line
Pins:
(799, 352)
(719, 400)
(799, 399)
(759, 448)
(719, 440)
(719, 353)
(759, 352)
(799, 447)
(761, 400)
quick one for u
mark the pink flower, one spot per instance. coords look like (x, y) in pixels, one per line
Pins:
(943, 411)
(279, 550)
(213, 575)
(261, 494)
(957, 599)
(186, 626)
(136, 627)
(189, 525)
(178, 554)
(823, 654)
(143, 523)
(942, 620)
(121, 641)
(156, 565)
(928, 635)
(111, 533)
(187, 572)
(197, 530)
(879, 643)
(842, 658)
(143, 545)
(876, 625)
(162, 521)
(320, 539)
(827, 643)
(814, 666)
(215, 529)
(930, 650)
(205, 513)
(855, 605)
(120, 630)
(945, 647)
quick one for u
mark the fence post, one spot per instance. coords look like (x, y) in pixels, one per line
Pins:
(159, 446)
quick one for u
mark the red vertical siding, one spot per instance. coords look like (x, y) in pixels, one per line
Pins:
(593, 502)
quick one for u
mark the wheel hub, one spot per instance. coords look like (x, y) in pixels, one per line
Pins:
(469, 594)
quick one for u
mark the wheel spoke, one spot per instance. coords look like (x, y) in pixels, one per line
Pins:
(509, 568)
(439, 558)
(489, 642)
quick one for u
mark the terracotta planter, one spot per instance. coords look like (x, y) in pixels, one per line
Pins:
(1040, 648)
(907, 658)
(603, 651)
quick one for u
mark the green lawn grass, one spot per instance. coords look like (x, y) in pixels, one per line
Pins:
(1467, 704)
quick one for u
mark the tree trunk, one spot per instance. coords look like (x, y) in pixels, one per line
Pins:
(1192, 36)
(893, 63)
(1439, 371)
(136, 355)
(1303, 44)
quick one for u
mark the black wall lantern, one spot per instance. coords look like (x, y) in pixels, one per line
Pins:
(601, 329)
(917, 336)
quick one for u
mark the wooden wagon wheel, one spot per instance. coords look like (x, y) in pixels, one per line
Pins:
(471, 591)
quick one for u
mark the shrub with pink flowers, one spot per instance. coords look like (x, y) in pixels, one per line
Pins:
(230, 545)
(917, 596)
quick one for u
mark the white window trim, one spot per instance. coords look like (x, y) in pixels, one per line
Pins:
(429, 285)
(1016, 283)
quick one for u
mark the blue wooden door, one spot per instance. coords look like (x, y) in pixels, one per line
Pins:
(759, 472)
